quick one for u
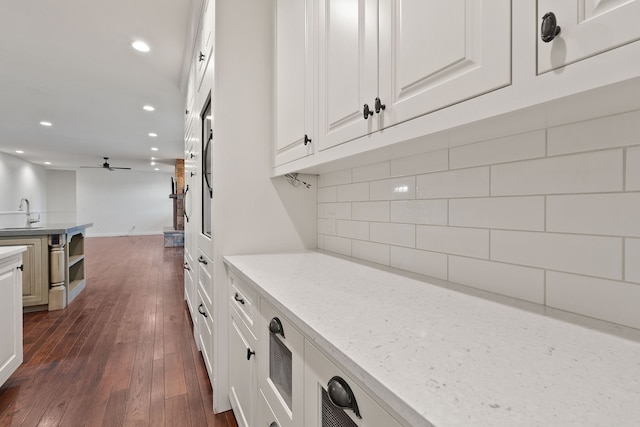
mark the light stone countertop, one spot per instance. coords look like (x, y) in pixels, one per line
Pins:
(45, 229)
(441, 357)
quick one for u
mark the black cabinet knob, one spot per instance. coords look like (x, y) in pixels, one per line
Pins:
(202, 260)
(237, 298)
(275, 327)
(250, 353)
(273, 424)
(341, 395)
(307, 140)
(20, 267)
(379, 106)
(366, 112)
(201, 310)
(201, 57)
(549, 28)
(186, 266)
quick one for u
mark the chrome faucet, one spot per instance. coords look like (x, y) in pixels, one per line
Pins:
(25, 201)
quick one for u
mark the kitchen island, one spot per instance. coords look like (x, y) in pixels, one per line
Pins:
(435, 354)
(53, 263)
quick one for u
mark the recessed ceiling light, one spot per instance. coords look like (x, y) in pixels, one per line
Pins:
(153, 158)
(19, 151)
(46, 123)
(47, 163)
(148, 108)
(156, 169)
(153, 135)
(154, 149)
(140, 46)
(153, 163)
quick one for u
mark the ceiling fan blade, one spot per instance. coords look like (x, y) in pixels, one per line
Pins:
(113, 167)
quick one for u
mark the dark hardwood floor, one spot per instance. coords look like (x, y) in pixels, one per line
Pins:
(121, 354)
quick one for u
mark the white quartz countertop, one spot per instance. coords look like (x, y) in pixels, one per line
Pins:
(440, 357)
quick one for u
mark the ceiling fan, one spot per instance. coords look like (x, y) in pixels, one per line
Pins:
(106, 165)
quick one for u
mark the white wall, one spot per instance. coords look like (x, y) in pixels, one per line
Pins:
(19, 179)
(551, 216)
(61, 196)
(121, 203)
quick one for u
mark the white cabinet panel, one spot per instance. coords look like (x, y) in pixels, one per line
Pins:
(10, 316)
(588, 27)
(294, 80)
(243, 382)
(434, 53)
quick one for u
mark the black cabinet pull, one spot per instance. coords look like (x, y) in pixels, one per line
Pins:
(273, 424)
(250, 353)
(237, 298)
(366, 112)
(186, 266)
(549, 28)
(20, 267)
(192, 174)
(342, 396)
(201, 57)
(186, 112)
(307, 140)
(201, 310)
(202, 260)
(275, 327)
(379, 106)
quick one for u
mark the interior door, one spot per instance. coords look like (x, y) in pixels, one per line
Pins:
(437, 53)
(587, 28)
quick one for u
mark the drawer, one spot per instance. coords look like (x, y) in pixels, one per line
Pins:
(319, 373)
(205, 278)
(204, 332)
(244, 300)
(266, 417)
(281, 367)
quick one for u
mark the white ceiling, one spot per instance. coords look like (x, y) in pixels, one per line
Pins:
(70, 62)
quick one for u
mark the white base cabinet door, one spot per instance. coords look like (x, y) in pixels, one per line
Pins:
(10, 316)
(587, 28)
(243, 380)
(326, 386)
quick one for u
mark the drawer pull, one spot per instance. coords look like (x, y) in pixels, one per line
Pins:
(201, 310)
(366, 112)
(202, 260)
(237, 298)
(341, 395)
(250, 353)
(549, 28)
(20, 267)
(186, 266)
(273, 424)
(275, 327)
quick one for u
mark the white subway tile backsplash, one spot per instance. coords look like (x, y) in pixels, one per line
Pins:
(335, 178)
(511, 148)
(327, 194)
(371, 172)
(370, 211)
(374, 252)
(459, 183)
(393, 234)
(515, 213)
(609, 300)
(632, 260)
(590, 255)
(339, 245)
(337, 210)
(353, 229)
(633, 169)
(429, 212)
(353, 192)
(422, 262)
(471, 242)
(515, 281)
(393, 189)
(422, 163)
(610, 214)
(606, 132)
(581, 173)
(325, 227)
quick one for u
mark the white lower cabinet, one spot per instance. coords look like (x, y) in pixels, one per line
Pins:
(190, 288)
(281, 366)
(332, 399)
(204, 324)
(10, 315)
(243, 380)
(266, 417)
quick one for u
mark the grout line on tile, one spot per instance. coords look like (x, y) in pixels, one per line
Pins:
(544, 288)
(624, 169)
(624, 260)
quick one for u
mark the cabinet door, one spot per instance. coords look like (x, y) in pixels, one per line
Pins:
(437, 53)
(35, 278)
(10, 319)
(348, 69)
(294, 80)
(204, 333)
(205, 46)
(243, 382)
(320, 411)
(588, 27)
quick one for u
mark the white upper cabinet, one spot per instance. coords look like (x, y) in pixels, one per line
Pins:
(384, 62)
(294, 80)
(204, 49)
(436, 53)
(348, 69)
(587, 28)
